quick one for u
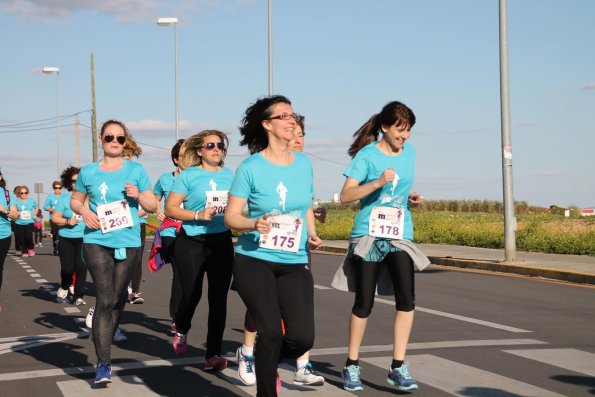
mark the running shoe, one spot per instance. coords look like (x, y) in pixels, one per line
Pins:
(135, 298)
(400, 378)
(173, 328)
(62, 293)
(24, 254)
(351, 380)
(79, 301)
(180, 344)
(215, 363)
(119, 336)
(71, 289)
(103, 373)
(307, 376)
(245, 367)
(89, 318)
(31, 252)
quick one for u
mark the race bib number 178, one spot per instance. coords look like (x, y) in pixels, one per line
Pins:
(387, 222)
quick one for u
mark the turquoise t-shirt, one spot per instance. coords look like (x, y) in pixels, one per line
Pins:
(26, 210)
(5, 229)
(367, 166)
(51, 202)
(276, 190)
(195, 182)
(162, 189)
(106, 187)
(63, 206)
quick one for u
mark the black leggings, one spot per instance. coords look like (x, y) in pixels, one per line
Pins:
(273, 292)
(111, 278)
(176, 287)
(54, 230)
(400, 268)
(4, 247)
(195, 255)
(137, 275)
(24, 235)
(37, 235)
(71, 262)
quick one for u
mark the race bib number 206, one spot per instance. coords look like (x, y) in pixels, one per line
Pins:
(115, 215)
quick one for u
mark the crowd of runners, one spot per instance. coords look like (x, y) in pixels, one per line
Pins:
(97, 219)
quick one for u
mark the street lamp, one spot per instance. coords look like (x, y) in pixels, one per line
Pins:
(56, 70)
(167, 22)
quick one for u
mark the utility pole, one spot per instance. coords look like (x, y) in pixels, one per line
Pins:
(509, 215)
(93, 111)
(77, 156)
(270, 47)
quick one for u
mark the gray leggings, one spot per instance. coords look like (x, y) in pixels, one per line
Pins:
(111, 278)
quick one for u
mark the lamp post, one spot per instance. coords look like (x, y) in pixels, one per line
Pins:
(56, 70)
(166, 22)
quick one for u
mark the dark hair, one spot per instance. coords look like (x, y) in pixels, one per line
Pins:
(175, 151)
(300, 122)
(392, 113)
(117, 122)
(66, 177)
(252, 131)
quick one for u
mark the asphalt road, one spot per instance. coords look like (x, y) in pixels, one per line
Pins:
(475, 334)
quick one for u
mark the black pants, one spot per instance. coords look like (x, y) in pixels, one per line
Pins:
(4, 247)
(24, 235)
(176, 286)
(271, 292)
(111, 278)
(195, 256)
(137, 275)
(54, 230)
(400, 268)
(71, 262)
(37, 235)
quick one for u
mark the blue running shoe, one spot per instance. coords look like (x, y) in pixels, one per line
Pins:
(103, 374)
(351, 381)
(400, 378)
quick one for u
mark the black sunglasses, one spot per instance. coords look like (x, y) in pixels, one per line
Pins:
(57, 187)
(120, 138)
(211, 145)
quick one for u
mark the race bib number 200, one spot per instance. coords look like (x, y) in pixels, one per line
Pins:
(113, 216)
(285, 234)
(387, 222)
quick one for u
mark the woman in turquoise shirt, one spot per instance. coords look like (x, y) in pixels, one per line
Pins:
(116, 188)
(204, 243)
(8, 211)
(23, 228)
(70, 244)
(380, 176)
(271, 264)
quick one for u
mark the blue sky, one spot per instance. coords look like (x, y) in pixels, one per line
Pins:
(339, 61)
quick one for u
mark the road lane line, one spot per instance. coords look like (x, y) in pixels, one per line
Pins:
(460, 379)
(460, 318)
(570, 359)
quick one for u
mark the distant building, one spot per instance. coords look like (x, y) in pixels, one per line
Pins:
(587, 212)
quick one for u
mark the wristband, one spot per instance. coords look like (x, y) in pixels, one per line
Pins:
(196, 215)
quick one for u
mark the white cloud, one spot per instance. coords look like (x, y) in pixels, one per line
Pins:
(123, 10)
(589, 86)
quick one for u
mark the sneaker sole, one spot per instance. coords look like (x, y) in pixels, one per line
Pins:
(137, 301)
(399, 387)
(103, 381)
(317, 383)
(359, 388)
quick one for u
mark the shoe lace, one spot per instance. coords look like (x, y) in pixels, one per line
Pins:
(249, 361)
(309, 370)
(404, 371)
(353, 372)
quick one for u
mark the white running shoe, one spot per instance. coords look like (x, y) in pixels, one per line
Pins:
(80, 301)
(119, 336)
(62, 293)
(89, 318)
(71, 289)
(246, 371)
(307, 376)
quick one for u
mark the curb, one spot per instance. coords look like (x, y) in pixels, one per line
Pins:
(499, 267)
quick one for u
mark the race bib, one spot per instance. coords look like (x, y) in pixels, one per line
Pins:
(25, 215)
(217, 199)
(387, 222)
(285, 234)
(114, 216)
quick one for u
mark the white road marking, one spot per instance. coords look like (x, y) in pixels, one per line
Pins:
(71, 310)
(129, 386)
(9, 345)
(321, 287)
(30, 270)
(26, 267)
(41, 280)
(569, 359)
(460, 318)
(461, 380)
(35, 275)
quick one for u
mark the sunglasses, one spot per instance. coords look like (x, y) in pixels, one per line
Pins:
(23, 192)
(211, 145)
(57, 187)
(121, 139)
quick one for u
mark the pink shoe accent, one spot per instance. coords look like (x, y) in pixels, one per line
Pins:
(31, 253)
(278, 385)
(180, 345)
